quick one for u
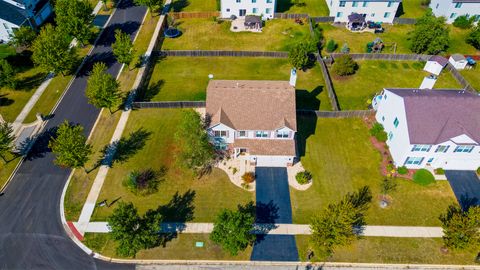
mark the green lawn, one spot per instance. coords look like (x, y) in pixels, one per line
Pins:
(396, 34)
(186, 78)
(394, 250)
(6, 169)
(194, 5)
(6, 50)
(341, 158)
(311, 7)
(473, 77)
(411, 9)
(159, 151)
(205, 34)
(372, 76)
(180, 248)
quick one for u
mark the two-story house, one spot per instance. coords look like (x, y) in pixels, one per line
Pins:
(17, 13)
(437, 128)
(253, 120)
(452, 9)
(372, 10)
(241, 8)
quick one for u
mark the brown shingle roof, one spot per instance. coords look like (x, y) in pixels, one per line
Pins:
(436, 116)
(252, 105)
(267, 147)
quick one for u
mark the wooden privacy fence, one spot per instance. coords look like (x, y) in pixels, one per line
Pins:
(404, 21)
(169, 104)
(194, 15)
(323, 19)
(328, 83)
(197, 53)
(337, 114)
(290, 16)
(386, 56)
(460, 79)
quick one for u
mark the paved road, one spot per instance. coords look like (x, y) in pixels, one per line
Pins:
(31, 233)
(466, 186)
(273, 206)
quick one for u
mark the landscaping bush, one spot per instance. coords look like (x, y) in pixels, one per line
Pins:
(345, 65)
(248, 177)
(331, 46)
(440, 171)
(478, 170)
(463, 22)
(378, 132)
(430, 36)
(402, 170)
(303, 177)
(473, 37)
(423, 177)
(142, 182)
(388, 185)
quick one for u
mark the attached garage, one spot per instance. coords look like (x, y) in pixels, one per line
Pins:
(273, 161)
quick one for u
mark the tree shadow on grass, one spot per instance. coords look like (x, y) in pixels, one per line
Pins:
(307, 100)
(151, 91)
(21, 61)
(284, 5)
(5, 101)
(179, 5)
(31, 82)
(307, 125)
(123, 149)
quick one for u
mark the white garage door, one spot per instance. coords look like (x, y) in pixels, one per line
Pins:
(271, 161)
(461, 164)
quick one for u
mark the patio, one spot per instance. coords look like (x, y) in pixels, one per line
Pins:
(248, 23)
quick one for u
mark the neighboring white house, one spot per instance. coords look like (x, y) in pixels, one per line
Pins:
(458, 61)
(372, 10)
(437, 128)
(254, 120)
(16, 13)
(241, 8)
(451, 9)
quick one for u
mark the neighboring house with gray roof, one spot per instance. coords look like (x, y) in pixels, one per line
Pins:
(452, 9)
(254, 120)
(17, 13)
(241, 8)
(437, 128)
(372, 10)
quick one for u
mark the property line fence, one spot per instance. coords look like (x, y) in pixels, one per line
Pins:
(328, 83)
(337, 114)
(290, 16)
(386, 56)
(404, 21)
(169, 104)
(460, 79)
(199, 53)
(325, 19)
(194, 15)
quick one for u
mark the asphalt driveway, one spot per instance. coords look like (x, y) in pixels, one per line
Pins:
(466, 186)
(273, 206)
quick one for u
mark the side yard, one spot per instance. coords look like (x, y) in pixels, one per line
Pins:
(473, 77)
(339, 154)
(313, 8)
(194, 5)
(353, 92)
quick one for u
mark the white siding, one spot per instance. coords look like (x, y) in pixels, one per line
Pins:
(448, 9)
(5, 29)
(232, 7)
(374, 11)
(221, 127)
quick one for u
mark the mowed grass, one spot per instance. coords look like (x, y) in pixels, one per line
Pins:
(340, 156)
(186, 78)
(412, 9)
(6, 169)
(372, 76)
(194, 5)
(205, 34)
(311, 7)
(394, 250)
(393, 35)
(472, 76)
(159, 151)
(180, 248)
(6, 50)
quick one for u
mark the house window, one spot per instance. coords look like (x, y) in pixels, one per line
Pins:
(343, 3)
(228, 10)
(242, 133)
(372, 15)
(268, 10)
(283, 134)
(436, 7)
(442, 148)
(414, 160)
(220, 133)
(254, 1)
(390, 3)
(421, 148)
(238, 1)
(354, 4)
(339, 14)
(453, 15)
(383, 118)
(386, 15)
(463, 149)
(261, 134)
(254, 10)
(430, 160)
(458, 5)
(396, 122)
(390, 136)
(269, 1)
(365, 4)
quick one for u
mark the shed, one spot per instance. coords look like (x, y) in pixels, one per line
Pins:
(435, 64)
(458, 61)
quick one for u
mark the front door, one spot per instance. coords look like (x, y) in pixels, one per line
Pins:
(242, 12)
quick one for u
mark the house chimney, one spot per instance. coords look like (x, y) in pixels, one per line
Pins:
(293, 77)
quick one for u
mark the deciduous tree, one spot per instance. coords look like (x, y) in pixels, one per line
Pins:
(7, 74)
(52, 52)
(232, 229)
(430, 36)
(123, 48)
(70, 146)
(23, 37)
(103, 91)
(153, 5)
(473, 37)
(344, 65)
(460, 227)
(299, 55)
(6, 139)
(74, 18)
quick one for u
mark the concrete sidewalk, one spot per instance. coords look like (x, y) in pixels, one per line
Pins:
(289, 229)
